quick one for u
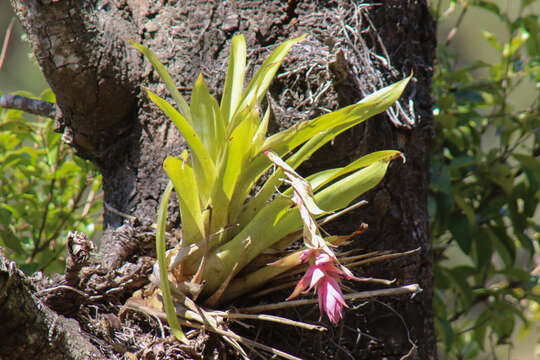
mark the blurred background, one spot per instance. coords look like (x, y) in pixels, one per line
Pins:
(465, 34)
(46, 191)
(20, 70)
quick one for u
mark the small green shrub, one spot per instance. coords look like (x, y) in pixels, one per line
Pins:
(486, 187)
(45, 191)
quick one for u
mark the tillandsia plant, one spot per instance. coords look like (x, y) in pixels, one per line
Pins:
(226, 223)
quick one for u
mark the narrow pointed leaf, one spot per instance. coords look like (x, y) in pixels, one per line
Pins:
(168, 305)
(316, 132)
(237, 151)
(239, 145)
(254, 280)
(263, 232)
(234, 82)
(165, 77)
(260, 134)
(203, 165)
(323, 178)
(340, 194)
(243, 182)
(181, 174)
(262, 79)
(207, 121)
(265, 229)
(337, 121)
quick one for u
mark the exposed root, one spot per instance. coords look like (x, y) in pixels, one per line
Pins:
(228, 335)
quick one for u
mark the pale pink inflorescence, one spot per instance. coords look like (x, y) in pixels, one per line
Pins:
(325, 272)
(325, 277)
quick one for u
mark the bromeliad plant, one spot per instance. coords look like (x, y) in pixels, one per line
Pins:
(226, 224)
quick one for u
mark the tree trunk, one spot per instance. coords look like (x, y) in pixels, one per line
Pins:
(351, 50)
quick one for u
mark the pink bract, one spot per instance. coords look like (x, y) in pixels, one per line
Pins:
(324, 276)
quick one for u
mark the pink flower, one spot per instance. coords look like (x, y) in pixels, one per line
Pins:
(324, 275)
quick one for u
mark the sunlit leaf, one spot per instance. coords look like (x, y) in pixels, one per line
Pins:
(181, 174)
(168, 304)
(234, 81)
(207, 120)
(203, 165)
(166, 78)
(263, 77)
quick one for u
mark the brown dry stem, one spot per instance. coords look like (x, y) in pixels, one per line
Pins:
(407, 289)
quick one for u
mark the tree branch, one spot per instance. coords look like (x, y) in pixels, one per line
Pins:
(83, 59)
(32, 106)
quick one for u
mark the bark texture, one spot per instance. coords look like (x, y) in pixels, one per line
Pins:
(30, 329)
(353, 48)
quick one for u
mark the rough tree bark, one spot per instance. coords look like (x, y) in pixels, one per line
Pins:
(352, 49)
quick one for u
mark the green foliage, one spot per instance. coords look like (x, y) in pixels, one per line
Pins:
(168, 305)
(486, 188)
(223, 227)
(45, 192)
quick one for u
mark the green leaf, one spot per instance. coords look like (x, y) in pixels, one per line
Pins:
(316, 132)
(268, 225)
(480, 327)
(17, 126)
(207, 121)
(513, 272)
(205, 171)
(168, 304)
(516, 43)
(489, 6)
(185, 185)
(30, 268)
(254, 280)
(48, 95)
(492, 40)
(530, 163)
(503, 244)
(459, 227)
(167, 80)
(445, 327)
(533, 27)
(318, 181)
(341, 193)
(263, 231)
(458, 277)
(263, 77)
(501, 174)
(9, 240)
(239, 148)
(332, 124)
(260, 134)
(234, 81)
(482, 249)
(466, 210)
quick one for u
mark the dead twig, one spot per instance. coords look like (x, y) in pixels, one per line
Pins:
(350, 261)
(407, 289)
(225, 333)
(272, 318)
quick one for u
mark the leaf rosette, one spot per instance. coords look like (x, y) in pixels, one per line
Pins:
(226, 224)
